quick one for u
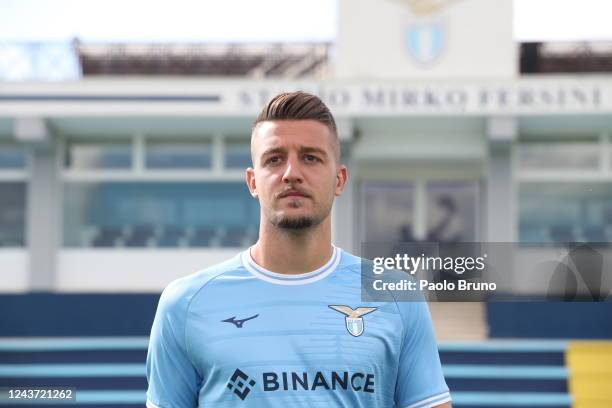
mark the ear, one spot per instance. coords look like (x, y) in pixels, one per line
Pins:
(341, 179)
(249, 177)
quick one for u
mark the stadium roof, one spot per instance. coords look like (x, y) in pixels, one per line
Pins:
(243, 60)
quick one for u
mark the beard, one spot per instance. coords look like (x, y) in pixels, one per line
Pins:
(294, 224)
(297, 223)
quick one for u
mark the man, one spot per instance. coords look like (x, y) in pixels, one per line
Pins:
(283, 324)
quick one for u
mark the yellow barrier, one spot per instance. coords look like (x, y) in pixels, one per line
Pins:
(590, 373)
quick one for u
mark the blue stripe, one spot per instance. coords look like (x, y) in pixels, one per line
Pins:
(492, 371)
(91, 383)
(511, 399)
(137, 343)
(507, 385)
(515, 358)
(73, 356)
(73, 343)
(117, 397)
(71, 370)
(110, 98)
(523, 346)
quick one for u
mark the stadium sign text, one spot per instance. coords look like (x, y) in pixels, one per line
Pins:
(442, 99)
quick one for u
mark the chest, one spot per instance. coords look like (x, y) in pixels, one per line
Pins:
(300, 332)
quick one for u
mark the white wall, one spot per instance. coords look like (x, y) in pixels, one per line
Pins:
(476, 39)
(133, 270)
(14, 270)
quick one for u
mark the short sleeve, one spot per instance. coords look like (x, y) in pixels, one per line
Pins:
(172, 377)
(420, 382)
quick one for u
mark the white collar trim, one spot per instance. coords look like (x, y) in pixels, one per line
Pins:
(287, 279)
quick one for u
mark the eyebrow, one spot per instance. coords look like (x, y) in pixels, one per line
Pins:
(303, 149)
(313, 150)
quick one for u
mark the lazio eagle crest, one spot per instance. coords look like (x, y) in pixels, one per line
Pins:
(353, 319)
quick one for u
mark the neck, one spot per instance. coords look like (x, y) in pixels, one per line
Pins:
(293, 252)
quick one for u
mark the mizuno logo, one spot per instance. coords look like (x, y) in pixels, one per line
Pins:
(240, 322)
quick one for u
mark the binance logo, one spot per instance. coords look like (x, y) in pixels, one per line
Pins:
(240, 384)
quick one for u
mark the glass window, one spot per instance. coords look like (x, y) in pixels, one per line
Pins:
(387, 211)
(12, 214)
(87, 155)
(559, 155)
(565, 212)
(237, 153)
(452, 211)
(12, 157)
(159, 214)
(178, 155)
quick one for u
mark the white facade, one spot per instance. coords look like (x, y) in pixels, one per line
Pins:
(426, 39)
(124, 184)
(463, 139)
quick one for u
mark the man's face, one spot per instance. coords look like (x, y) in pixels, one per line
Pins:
(296, 174)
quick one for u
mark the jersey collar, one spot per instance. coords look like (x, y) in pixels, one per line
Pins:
(286, 279)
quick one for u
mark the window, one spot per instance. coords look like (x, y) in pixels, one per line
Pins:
(12, 157)
(159, 214)
(169, 195)
(387, 211)
(13, 175)
(237, 153)
(421, 210)
(12, 214)
(178, 155)
(559, 155)
(452, 211)
(565, 190)
(565, 212)
(91, 155)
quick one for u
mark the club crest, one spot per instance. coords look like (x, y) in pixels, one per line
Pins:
(425, 37)
(353, 318)
(425, 42)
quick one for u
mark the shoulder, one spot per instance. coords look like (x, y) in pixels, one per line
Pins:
(351, 262)
(366, 267)
(411, 305)
(178, 294)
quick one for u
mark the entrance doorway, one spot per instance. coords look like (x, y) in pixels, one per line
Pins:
(432, 210)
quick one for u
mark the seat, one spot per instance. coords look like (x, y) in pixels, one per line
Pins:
(562, 233)
(140, 235)
(107, 237)
(202, 237)
(594, 234)
(171, 236)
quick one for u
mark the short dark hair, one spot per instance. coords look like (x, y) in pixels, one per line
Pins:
(299, 105)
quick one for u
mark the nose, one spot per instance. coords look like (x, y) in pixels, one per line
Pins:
(293, 172)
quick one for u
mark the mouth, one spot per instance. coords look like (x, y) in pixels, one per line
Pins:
(293, 194)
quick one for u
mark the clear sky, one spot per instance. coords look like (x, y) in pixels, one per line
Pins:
(255, 20)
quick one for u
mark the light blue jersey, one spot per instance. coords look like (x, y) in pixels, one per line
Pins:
(237, 335)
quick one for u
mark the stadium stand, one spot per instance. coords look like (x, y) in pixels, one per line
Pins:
(78, 340)
(110, 371)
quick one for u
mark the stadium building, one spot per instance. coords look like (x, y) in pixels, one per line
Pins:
(122, 168)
